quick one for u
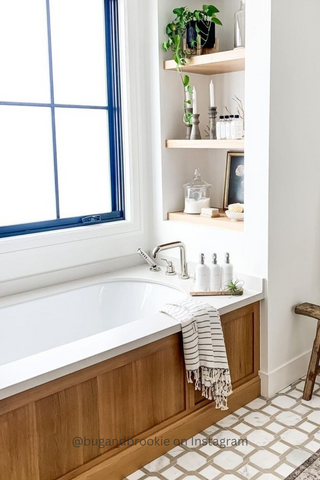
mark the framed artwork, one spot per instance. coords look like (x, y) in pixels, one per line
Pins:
(234, 179)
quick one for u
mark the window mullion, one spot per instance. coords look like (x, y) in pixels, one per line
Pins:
(53, 117)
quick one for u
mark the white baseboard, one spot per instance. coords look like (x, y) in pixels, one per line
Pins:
(276, 380)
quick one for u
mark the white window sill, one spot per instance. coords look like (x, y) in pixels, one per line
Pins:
(68, 235)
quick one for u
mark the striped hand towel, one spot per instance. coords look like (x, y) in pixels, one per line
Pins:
(204, 349)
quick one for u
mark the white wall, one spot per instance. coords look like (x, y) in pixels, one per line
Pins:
(294, 198)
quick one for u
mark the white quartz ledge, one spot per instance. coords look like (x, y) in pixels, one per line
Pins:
(43, 367)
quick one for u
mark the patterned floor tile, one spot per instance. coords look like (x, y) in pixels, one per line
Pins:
(288, 418)
(264, 459)
(313, 403)
(191, 461)
(283, 401)
(176, 451)
(295, 394)
(307, 427)
(301, 409)
(242, 411)
(257, 419)
(242, 428)
(172, 473)
(247, 471)
(267, 476)
(136, 475)
(195, 442)
(277, 436)
(245, 449)
(280, 447)
(300, 386)
(297, 457)
(228, 421)
(270, 410)
(228, 460)
(157, 464)
(275, 427)
(284, 470)
(257, 404)
(313, 446)
(314, 417)
(209, 450)
(260, 438)
(210, 473)
(294, 437)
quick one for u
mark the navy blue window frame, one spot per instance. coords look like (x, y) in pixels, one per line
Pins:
(115, 135)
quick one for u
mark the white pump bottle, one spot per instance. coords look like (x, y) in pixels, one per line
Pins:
(215, 275)
(202, 275)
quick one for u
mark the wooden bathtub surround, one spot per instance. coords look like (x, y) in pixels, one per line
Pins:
(139, 395)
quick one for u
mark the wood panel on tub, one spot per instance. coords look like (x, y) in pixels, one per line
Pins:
(142, 393)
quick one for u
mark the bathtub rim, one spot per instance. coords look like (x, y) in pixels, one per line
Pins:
(60, 289)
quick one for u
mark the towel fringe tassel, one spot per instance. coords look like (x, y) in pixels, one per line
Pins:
(214, 384)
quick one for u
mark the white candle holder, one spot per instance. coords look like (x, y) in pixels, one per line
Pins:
(213, 123)
(195, 131)
(188, 125)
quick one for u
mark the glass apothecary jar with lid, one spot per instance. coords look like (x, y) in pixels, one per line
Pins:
(197, 194)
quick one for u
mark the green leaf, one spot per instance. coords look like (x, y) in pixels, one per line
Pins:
(178, 11)
(165, 46)
(210, 10)
(197, 28)
(197, 15)
(216, 21)
(189, 89)
(186, 80)
(168, 30)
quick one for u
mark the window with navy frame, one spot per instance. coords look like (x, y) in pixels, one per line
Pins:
(61, 152)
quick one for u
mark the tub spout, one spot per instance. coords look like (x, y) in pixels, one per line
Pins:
(183, 261)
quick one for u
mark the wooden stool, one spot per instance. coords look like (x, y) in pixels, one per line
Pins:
(310, 310)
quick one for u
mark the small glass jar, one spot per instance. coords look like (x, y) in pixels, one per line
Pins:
(197, 194)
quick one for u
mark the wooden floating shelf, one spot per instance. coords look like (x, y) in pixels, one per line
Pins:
(213, 63)
(218, 144)
(220, 222)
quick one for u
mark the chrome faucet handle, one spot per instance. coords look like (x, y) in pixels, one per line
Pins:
(170, 268)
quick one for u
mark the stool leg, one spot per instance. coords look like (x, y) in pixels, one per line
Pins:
(313, 367)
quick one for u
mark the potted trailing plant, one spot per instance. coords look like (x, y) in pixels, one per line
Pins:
(188, 33)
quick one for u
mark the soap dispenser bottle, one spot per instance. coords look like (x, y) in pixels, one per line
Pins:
(215, 274)
(202, 275)
(227, 272)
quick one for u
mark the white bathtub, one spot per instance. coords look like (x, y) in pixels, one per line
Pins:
(51, 332)
(47, 337)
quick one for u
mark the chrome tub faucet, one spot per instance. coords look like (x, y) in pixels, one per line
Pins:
(153, 266)
(183, 261)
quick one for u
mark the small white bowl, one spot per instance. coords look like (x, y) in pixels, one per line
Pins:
(236, 217)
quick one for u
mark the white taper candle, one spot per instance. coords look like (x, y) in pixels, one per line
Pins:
(194, 98)
(188, 98)
(212, 94)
